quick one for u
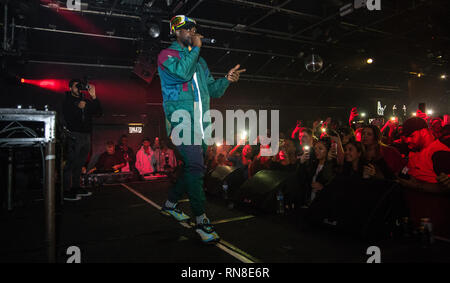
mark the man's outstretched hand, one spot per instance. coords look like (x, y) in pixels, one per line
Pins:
(233, 74)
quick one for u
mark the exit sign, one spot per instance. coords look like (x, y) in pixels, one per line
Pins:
(135, 128)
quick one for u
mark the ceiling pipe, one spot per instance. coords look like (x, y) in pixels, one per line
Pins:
(263, 6)
(96, 12)
(77, 33)
(81, 64)
(270, 13)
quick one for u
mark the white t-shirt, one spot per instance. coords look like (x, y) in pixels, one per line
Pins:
(198, 105)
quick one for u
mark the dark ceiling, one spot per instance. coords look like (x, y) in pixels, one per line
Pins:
(270, 38)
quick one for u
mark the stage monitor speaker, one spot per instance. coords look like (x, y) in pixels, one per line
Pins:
(233, 176)
(222, 172)
(261, 189)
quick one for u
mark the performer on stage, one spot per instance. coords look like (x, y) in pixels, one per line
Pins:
(187, 84)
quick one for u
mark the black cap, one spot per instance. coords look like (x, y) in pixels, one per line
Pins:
(413, 124)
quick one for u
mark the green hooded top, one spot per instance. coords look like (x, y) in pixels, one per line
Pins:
(183, 73)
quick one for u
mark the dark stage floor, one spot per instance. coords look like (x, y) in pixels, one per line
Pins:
(121, 223)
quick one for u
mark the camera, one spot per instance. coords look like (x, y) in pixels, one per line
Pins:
(83, 84)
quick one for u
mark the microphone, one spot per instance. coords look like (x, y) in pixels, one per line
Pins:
(208, 40)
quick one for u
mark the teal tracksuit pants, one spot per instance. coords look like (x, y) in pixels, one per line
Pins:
(191, 179)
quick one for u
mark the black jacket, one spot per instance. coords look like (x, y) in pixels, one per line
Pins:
(130, 154)
(305, 173)
(106, 161)
(80, 120)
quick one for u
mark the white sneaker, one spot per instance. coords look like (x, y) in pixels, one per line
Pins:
(207, 232)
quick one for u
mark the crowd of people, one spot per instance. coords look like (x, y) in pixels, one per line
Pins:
(414, 155)
(362, 150)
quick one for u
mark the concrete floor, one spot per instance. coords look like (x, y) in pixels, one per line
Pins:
(118, 224)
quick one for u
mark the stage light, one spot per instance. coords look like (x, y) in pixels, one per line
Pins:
(443, 76)
(154, 31)
(50, 84)
(363, 114)
(430, 112)
(369, 61)
(313, 63)
(414, 114)
(419, 75)
(47, 84)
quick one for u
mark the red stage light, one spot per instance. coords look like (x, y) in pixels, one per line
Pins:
(47, 84)
(53, 85)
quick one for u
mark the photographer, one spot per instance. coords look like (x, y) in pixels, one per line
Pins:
(78, 111)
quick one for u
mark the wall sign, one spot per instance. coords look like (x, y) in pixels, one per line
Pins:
(135, 128)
